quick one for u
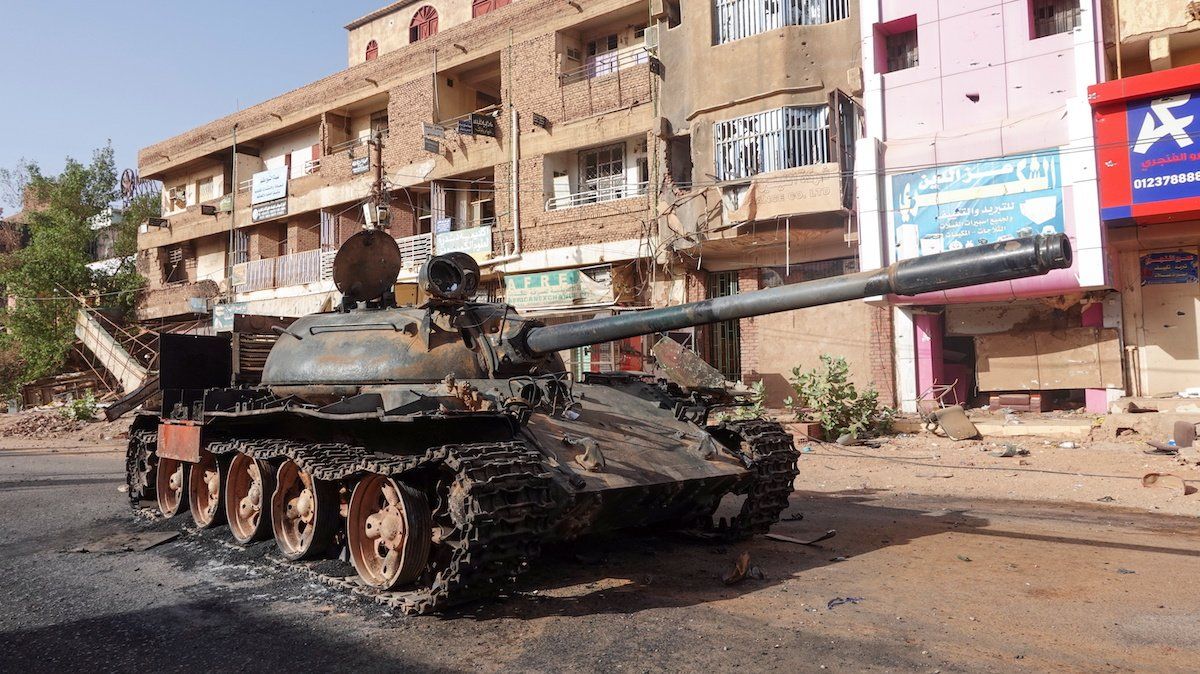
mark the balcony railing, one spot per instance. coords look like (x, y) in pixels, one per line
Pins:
(280, 272)
(737, 19)
(606, 64)
(415, 251)
(604, 194)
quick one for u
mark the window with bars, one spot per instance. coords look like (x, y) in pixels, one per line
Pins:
(724, 350)
(902, 51)
(771, 141)
(372, 50)
(602, 171)
(736, 19)
(1051, 17)
(241, 246)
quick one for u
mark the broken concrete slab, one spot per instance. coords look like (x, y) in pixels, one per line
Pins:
(127, 542)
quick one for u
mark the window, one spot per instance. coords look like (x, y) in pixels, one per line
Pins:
(679, 161)
(602, 172)
(1051, 17)
(379, 123)
(241, 246)
(424, 24)
(737, 19)
(372, 50)
(602, 56)
(771, 141)
(205, 191)
(901, 50)
(481, 7)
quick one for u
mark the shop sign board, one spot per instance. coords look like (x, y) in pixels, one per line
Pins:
(1169, 267)
(269, 210)
(1164, 158)
(360, 165)
(268, 185)
(223, 315)
(476, 241)
(973, 203)
(563, 288)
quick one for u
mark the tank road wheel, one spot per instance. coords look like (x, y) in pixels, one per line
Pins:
(170, 486)
(249, 485)
(304, 513)
(204, 491)
(389, 531)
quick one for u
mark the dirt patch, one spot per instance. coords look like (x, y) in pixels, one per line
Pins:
(47, 424)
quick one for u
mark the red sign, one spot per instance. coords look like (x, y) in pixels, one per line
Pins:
(1148, 146)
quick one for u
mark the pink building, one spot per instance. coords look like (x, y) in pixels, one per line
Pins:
(978, 129)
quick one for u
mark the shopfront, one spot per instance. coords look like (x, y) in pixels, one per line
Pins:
(1148, 152)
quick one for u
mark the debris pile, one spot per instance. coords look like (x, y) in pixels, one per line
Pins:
(41, 424)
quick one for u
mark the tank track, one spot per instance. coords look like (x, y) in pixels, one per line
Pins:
(503, 505)
(140, 462)
(771, 456)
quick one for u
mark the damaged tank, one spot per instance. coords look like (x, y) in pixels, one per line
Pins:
(437, 447)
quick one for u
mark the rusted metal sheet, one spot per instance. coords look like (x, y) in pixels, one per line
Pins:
(685, 367)
(179, 440)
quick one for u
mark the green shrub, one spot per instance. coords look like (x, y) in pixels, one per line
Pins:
(756, 410)
(827, 396)
(81, 409)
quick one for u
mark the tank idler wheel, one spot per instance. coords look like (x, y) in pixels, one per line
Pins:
(249, 484)
(304, 513)
(205, 491)
(389, 531)
(170, 486)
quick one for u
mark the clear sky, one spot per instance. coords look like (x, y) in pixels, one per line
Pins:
(76, 74)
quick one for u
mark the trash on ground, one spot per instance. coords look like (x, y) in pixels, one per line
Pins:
(1168, 448)
(838, 601)
(963, 558)
(1167, 480)
(1011, 450)
(1068, 445)
(954, 423)
(1125, 572)
(742, 569)
(1106, 499)
(939, 475)
(127, 542)
(788, 539)
(806, 450)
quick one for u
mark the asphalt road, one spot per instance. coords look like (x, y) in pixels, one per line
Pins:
(940, 585)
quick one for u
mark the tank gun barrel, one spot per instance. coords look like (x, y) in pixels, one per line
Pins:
(988, 263)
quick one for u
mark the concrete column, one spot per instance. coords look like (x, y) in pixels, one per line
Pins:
(906, 359)
(928, 328)
(1097, 398)
(1160, 53)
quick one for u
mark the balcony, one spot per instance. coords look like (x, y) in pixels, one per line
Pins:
(737, 19)
(606, 82)
(279, 272)
(597, 196)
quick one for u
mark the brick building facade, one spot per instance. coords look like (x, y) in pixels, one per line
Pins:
(621, 139)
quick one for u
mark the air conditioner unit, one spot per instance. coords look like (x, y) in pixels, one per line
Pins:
(652, 38)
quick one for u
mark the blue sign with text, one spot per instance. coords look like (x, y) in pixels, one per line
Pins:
(970, 204)
(1164, 156)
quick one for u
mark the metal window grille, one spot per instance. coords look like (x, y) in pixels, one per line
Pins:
(772, 141)
(725, 345)
(602, 170)
(329, 237)
(241, 246)
(902, 51)
(737, 19)
(1051, 17)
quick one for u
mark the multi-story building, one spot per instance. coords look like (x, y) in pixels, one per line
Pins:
(1147, 122)
(979, 130)
(596, 157)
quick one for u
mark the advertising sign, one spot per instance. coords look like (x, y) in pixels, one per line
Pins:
(970, 204)
(465, 128)
(565, 288)
(477, 241)
(483, 125)
(269, 185)
(1164, 160)
(1173, 267)
(360, 165)
(268, 211)
(223, 315)
(433, 146)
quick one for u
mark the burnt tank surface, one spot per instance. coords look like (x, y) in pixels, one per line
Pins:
(438, 446)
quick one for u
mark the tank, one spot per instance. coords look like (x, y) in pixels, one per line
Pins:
(438, 447)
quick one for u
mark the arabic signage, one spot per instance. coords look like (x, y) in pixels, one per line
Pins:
(432, 145)
(269, 185)
(432, 130)
(465, 128)
(223, 315)
(1173, 267)
(1148, 145)
(477, 241)
(360, 165)
(970, 204)
(270, 210)
(483, 125)
(560, 289)
(442, 224)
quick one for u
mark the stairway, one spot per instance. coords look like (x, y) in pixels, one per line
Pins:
(109, 352)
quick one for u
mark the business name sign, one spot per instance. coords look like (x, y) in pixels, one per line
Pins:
(973, 203)
(1172, 267)
(476, 241)
(1148, 145)
(269, 210)
(564, 288)
(269, 185)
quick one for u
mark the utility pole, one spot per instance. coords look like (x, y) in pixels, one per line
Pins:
(378, 193)
(232, 217)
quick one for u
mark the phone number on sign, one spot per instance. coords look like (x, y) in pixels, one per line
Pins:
(1160, 181)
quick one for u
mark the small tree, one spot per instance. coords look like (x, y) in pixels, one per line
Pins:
(827, 396)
